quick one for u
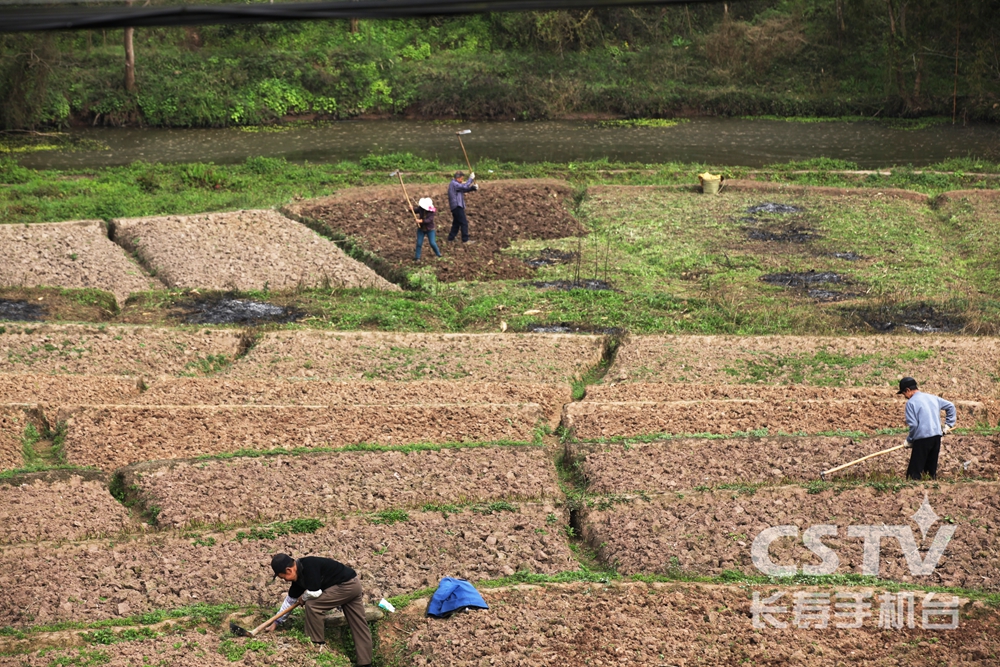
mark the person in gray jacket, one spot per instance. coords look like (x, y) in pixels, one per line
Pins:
(923, 416)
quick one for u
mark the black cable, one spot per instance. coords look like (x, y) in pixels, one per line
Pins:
(91, 18)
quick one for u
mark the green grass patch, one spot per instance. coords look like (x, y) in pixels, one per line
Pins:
(107, 636)
(389, 517)
(644, 122)
(279, 528)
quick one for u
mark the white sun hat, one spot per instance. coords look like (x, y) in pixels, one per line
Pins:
(426, 203)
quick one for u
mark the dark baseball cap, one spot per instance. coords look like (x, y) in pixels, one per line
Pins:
(459, 174)
(906, 383)
(280, 563)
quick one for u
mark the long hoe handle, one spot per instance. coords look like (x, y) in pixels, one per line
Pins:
(408, 202)
(274, 618)
(863, 458)
(462, 144)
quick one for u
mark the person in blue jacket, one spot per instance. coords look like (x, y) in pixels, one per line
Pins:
(456, 202)
(923, 416)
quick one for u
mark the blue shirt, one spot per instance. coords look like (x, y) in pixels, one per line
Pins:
(456, 193)
(923, 415)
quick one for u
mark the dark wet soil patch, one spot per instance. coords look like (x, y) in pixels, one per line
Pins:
(848, 256)
(568, 327)
(550, 257)
(802, 279)
(772, 207)
(920, 318)
(377, 221)
(566, 285)
(21, 311)
(789, 235)
(228, 310)
(829, 296)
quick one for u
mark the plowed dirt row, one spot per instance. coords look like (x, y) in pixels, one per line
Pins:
(69, 254)
(666, 392)
(114, 350)
(675, 624)
(13, 420)
(961, 366)
(685, 463)
(709, 532)
(346, 356)
(111, 437)
(318, 485)
(379, 220)
(590, 421)
(55, 389)
(241, 250)
(231, 391)
(87, 582)
(69, 509)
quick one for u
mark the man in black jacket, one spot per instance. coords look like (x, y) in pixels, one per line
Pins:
(322, 584)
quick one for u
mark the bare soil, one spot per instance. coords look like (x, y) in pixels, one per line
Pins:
(69, 254)
(232, 391)
(351, 356)
(113, 350)
(378, 219)
(55, 304)
(240, 250)
(666, 392)
(941, 364)
(712, 531)
(109, 437)
(56, 389)
(686, 463)
(591, 420)
(89, 581)
(323, 485)
(680, 624)
(13, 420)
(70, 509)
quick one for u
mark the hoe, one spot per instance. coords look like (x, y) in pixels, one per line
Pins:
(462, 144)
(823, 474)
(399, 174)
(237, 631)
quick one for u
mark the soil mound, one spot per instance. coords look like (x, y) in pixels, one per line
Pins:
(18, 310)
(324, 485)
(591, 420)
(114, 350)
(707, 533)
(111, 437)
(70, 509)
(685, 463)
(56, 389)
(100, 580)
(957, 365)
(673, 624)
(378, 220)
(68, 254)
(353, 356)
(13, 420)
(241, 250)
(232, 391)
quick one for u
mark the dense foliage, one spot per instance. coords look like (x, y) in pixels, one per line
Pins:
(783, 57)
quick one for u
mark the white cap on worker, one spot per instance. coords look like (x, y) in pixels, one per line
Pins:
(426, 203)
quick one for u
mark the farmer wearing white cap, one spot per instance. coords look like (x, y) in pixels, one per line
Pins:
(426, 212)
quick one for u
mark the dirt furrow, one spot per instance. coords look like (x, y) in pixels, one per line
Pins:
(318, 485)
(667, 392)
(685, 463)
(353, 356)
(710, 532)
(591, 420)
(99, 580)
(56, 389)
(109, 437)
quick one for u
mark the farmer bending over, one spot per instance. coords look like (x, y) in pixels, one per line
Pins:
(923, 416)
(322, 584)
(426, 212)
(456, 202)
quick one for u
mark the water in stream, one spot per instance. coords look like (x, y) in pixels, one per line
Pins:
(720, 141)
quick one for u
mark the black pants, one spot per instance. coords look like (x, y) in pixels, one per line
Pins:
(459, 221)
(924, 457)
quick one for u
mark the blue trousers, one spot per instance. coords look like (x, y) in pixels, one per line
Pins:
(432, 237)
(459, 222)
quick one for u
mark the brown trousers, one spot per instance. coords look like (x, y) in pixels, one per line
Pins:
(348, 597)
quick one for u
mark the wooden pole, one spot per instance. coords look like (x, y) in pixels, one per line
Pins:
(863, 458)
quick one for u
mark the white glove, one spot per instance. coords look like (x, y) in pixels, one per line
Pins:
(909, 445)
(472, 176)
(285, 605)
(947, 429)
(311, 595)
(475, 186)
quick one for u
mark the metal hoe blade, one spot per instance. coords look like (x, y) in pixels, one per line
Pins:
(237, 631)
(464, 132)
